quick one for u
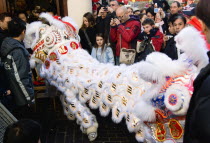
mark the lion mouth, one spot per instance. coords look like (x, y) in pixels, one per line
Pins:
(41, 55)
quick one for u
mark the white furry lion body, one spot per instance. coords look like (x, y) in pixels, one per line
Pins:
(153, 95)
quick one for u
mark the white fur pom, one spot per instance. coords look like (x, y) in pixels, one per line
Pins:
(104, 109)
(177, 99)
(193, 45)
(117, 114)
(70, 116)
(32, 63)
(87, 120)
(144, 111)
(30, 35)
(94, 104)
(52, 20)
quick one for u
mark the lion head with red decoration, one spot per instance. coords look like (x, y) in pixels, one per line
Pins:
(49, 33)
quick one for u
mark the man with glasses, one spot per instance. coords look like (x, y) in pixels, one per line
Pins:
(113, 6)
(124, 31)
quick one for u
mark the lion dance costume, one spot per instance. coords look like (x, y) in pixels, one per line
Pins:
(152, 96)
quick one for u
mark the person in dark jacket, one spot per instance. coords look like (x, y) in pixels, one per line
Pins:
(16, 63)
(197, 120)
(87, 32)
(124, 31)
(177, 22)
(4, 19)
(4, 86)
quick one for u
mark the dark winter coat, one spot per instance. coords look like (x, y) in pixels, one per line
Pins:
(91, 32)
(197, 125)
(4, 86)
(171, 49)
(3, 34)
(125, 34)
(16, 63)
(103, 26)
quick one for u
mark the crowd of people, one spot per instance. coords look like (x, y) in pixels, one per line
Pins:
(107, 33)
(130, 28)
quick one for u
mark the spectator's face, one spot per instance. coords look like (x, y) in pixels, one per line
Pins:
(137, 12)
(95, 14)
(130, 11)
(143, 18)
(22, 16)
(144, 11)
(85, 21)
(190, 1)
(99, 41)
(122, 16)
(114, 5)
(98, 5)
(171, 28)
(178, 25)
(103, 15)
(150, 16)
(158, 18)
(147, 28)
(174, 8)
(4, 23)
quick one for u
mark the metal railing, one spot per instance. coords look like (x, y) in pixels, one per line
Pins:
(6, 118)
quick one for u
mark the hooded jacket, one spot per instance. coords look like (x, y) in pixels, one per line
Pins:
(125, 34)
(16, 63)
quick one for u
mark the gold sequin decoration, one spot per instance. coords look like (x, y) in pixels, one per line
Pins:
(129, 90)
(117, 112)
(94, 100)
(97, 94)
(128, 117)
(124, 101)
(109, 97)
(119, 74)
(85, 121)
(79, 113)
(113, 88)
(71, 71)
(100, 84)
(86, 91)
(104, 106)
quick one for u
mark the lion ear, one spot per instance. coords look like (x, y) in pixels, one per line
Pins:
(32, 34)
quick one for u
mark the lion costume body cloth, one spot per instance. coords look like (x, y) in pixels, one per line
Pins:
(152, 96)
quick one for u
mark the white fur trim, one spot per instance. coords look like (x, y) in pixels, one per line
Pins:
(193, 45)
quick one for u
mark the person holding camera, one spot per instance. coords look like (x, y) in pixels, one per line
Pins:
(124, 31)
(102, 22)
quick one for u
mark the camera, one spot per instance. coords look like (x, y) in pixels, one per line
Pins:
(169, 36)
(156, 10)
(105, 7)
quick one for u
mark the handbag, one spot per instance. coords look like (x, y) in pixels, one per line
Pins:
(143, 49)
(127, 56)
(89, 43)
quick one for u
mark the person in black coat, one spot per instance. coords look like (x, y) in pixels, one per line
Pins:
(197, 125)
(88, 27)
(170, 48)
(103, 23)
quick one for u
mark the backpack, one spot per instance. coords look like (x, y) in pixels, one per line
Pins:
(143, 49)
